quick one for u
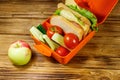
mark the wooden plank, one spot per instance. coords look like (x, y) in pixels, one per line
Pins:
(42, 73)
(25, 10)
(20, 17)
(92, 59)
(18, 26)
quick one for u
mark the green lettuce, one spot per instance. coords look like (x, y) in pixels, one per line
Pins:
(87, 14)
(57, 12)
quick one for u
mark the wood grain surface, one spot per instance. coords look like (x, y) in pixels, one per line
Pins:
(98, 60)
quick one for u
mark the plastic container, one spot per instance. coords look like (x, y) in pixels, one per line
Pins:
(101, 8)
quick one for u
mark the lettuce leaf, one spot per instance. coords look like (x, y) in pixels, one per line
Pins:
(87, 14)
(57, 12)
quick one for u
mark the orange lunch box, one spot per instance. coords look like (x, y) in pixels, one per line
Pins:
(101, 8)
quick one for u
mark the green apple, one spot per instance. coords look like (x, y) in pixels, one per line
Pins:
(19, 52)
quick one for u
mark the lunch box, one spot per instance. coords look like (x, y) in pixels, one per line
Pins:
(101, 8)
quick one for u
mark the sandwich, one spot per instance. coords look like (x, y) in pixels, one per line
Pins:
(73, 19)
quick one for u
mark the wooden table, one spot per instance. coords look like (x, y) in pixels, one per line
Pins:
(98, 60)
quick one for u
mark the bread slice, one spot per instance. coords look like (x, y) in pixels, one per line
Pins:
(66, 25)
(86, 21)
(70, 2)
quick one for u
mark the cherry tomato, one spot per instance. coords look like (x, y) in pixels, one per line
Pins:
(54, 29)
(62, 51)
(71, 40)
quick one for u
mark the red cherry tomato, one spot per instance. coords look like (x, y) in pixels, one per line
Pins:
(62, 51)
(71, 40)
(54, 29)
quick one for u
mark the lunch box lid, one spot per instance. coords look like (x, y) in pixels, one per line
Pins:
(101, 8)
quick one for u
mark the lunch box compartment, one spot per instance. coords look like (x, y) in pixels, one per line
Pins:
(101, 8)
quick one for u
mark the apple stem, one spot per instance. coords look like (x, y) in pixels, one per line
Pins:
(17, 46)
